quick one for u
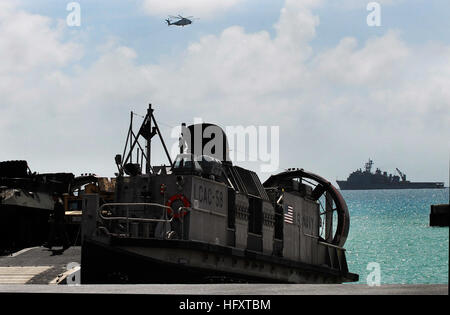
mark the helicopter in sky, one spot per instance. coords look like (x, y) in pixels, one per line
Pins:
(181, 21)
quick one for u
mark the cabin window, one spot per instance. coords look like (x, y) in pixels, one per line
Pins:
(255, 219)
(231, 208)
(186, 164)
(248, 181)
(75, 205)
(278, 228)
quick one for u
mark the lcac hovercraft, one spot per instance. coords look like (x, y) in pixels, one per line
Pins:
(202, 219)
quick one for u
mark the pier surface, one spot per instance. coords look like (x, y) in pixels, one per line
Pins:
(37, 265)
(235, 289)
(36, 270)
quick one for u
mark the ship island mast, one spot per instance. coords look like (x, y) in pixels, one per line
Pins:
(369, 166)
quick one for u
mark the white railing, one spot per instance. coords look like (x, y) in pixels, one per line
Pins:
(129, 219)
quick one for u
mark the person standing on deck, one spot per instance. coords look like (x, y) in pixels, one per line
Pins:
(57, 225)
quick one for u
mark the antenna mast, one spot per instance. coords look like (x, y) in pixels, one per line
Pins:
(147, 131)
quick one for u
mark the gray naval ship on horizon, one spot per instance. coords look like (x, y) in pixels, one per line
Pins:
(362, 180)
(203, 219)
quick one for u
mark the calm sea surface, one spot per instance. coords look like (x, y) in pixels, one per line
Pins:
(391, 227)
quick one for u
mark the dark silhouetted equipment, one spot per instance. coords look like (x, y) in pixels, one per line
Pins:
(202, 219)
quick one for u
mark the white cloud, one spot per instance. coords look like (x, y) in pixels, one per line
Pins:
(380, 59)
(31, 49)
(199, 8)
(297, 25)
(29, 41)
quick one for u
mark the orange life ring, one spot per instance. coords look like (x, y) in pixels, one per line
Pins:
(185, 202)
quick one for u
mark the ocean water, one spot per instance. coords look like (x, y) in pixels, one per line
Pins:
(391, 228)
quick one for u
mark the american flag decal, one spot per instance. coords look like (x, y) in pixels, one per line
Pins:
(289, 215)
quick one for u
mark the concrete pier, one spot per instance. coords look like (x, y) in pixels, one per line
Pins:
(439, 215)
(234, 289)
(38, 270)
(37, 265)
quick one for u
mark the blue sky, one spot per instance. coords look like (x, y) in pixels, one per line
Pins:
(418, 20)
(149, 35)
(312, 67)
